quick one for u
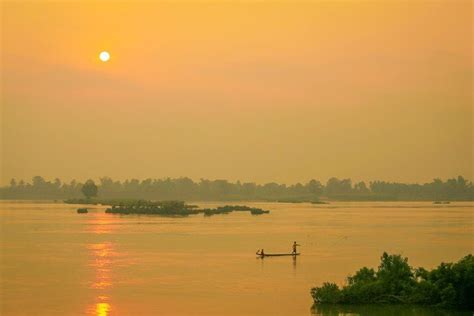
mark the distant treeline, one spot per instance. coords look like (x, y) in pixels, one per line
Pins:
(458, 189)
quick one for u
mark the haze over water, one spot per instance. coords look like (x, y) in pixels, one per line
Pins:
(55, 261)
(269, 95)
(257, 91)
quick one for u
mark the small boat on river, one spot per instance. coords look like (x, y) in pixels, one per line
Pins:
(277, 254)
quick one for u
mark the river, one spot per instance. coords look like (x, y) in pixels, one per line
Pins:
(57, 262)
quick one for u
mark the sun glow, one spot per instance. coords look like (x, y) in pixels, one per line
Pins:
(104, 56)
(102, 309)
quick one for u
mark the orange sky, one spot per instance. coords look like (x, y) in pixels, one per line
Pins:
(257, 91)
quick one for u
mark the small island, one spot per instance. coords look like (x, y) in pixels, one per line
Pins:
(450, 285)
(296, 200)
(147, 207)
(82, 210)
(175, 208)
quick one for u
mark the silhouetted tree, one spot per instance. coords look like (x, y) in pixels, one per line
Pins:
(335, 186)
(89, 189)
(361, 188)
(315, 187)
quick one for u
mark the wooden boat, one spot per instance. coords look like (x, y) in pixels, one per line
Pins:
(278, 254)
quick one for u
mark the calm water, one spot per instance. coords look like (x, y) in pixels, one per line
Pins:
(57, 262)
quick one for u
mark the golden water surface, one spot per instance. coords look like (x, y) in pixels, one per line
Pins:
(57, 262)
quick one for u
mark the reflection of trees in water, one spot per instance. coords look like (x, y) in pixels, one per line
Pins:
(379, 310)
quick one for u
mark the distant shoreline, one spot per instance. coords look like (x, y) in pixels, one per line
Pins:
(327, 204)
(454, 189)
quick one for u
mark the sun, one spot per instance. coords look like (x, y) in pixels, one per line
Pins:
(104, 56)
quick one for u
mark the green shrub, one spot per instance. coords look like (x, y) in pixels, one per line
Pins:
(328, 293)
(395, 281)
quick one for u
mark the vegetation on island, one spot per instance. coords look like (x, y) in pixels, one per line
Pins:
(456, 189)
(231, 208)
(82, 210)
(167, 208)
(301, 201)
(319, 202)
(450, 285)
(152, 208)
(176, 208)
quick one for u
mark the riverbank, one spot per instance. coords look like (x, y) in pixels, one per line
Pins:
(450, 285)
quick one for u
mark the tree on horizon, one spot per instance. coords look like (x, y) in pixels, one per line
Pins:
(89, 189)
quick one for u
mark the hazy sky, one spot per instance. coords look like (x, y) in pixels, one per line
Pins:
(268, 91)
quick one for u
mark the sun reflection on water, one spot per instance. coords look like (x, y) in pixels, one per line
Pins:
(102, 262)
(101, 223)
(102, 309)
(102, 259)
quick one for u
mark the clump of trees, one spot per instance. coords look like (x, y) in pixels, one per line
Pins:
(89, 189)
(178, 208)
(458, 189)
(231, 208)
(175, 208)
(450, 285)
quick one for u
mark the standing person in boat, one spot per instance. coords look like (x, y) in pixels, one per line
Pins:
(260, 252)
(294, 248)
